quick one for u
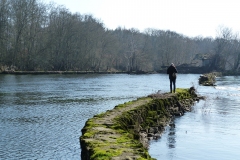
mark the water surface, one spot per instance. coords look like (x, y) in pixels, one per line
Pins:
(41, 116)
(210, 131)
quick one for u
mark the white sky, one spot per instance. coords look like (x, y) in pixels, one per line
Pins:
(188, 17)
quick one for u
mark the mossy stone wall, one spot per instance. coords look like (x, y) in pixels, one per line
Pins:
(123, 132)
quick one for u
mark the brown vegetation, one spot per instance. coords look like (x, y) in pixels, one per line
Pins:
(44, 37)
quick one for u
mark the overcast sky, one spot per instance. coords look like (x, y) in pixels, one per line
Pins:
(188, 17)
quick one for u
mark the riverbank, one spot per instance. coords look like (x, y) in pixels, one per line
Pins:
(124, 132)
(60, 72)
(110, 72)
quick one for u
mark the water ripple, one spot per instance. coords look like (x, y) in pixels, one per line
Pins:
(41, 116)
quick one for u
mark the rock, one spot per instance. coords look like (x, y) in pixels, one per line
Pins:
(136, 122)
(208, 79)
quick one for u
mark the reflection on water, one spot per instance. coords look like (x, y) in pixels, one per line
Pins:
(210, 131)
(171, 137)
(41, 116)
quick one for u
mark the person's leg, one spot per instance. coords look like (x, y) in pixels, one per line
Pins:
(174, 85)
(171, 85)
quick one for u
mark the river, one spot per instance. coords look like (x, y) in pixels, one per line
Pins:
(41, 116)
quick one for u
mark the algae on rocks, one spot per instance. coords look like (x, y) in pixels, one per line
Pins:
(208, 79)
(124, 132)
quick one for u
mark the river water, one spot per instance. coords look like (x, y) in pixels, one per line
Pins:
(41, 116)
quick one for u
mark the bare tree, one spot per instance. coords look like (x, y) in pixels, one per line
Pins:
(224, 48)
(5, 44)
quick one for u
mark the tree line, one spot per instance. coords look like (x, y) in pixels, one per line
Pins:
(35, 36)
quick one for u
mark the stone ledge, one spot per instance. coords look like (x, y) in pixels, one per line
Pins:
(124, 132)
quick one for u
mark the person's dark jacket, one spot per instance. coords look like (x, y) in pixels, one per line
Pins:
(172, 69)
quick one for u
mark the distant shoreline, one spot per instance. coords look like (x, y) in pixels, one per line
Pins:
(74, 72)
(59, 72)
(108, 72)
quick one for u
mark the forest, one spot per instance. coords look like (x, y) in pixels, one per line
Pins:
(35, 36)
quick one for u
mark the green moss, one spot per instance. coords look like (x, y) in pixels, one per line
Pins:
(149, 122)
(89, 134)
(100, 115)
(183, 94)
(181, 90)
(123, 131)
(124, 138)
(100, 154)
(131, 102)
(120, 106)
(152, 114)
(89, 124)
(107, 150)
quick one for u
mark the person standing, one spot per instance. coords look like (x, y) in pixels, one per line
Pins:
(172, 72)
